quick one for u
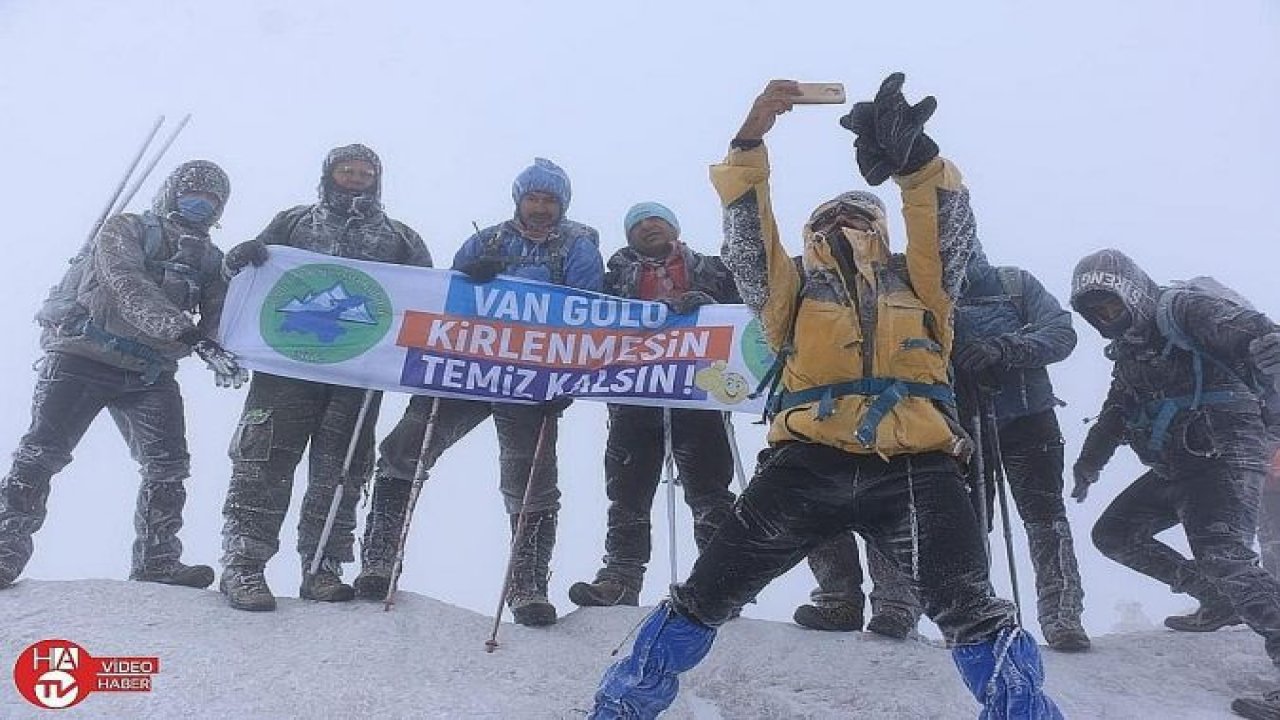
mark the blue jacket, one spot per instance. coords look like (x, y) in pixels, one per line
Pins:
(569, 256)
(1027, 322)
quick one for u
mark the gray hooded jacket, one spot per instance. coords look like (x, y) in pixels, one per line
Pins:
(1148, 370)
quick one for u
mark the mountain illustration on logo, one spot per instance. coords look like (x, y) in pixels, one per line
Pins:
(322, 313)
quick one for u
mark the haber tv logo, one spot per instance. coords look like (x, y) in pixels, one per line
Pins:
(56, 674)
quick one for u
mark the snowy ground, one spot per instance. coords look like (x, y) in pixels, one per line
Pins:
(426, 659)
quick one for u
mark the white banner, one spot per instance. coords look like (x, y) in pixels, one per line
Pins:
(433, 332)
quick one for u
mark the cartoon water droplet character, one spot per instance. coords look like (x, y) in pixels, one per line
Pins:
(727, 387)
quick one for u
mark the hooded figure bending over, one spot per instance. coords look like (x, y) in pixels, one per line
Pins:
(1193, 416)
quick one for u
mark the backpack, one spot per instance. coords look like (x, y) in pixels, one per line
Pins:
(1268, 394)
(62, 308)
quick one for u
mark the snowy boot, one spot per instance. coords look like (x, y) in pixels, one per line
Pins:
(176, 573)
(157, 518)
(645, 683)
(604, 592)
(1005, 675)
(1066, 637)
(326, 584)
(530, 567)
(246, 588)
(843, 616)
(892, 624)
(1207, 618)
(381, 537)
(1265, 708)
(1059, 591)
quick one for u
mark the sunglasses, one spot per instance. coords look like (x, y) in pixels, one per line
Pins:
(348, 171)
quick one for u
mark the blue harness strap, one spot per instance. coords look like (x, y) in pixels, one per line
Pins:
(153, 362)
(1160, 413)
(888, 392)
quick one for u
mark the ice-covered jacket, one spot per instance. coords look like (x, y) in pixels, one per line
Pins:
(320, 229)
(891, 322)
(137, 307)
(1149, 374)
(569, 256)
(1028, 324)
(704, 273)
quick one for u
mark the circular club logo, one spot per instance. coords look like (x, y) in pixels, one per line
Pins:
(54, 674)
(324, 314)
(756, 353)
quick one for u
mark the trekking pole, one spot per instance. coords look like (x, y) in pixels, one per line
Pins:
(738, 471)
(420, 475)
(155, 160)
(668, 460)
(539, 450)
(997, 461)
(124, 180)
(980, 485)
(339, 491)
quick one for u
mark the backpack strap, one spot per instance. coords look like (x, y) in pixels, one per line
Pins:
(1011, 284)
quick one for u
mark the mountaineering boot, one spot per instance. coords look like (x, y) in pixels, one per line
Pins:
(1006, 676)
(176, 573)
(892, 624)
(381, 537)
(831, 617)
(326, 584)
(246, 588)
(645, 683)
(605, 592)
(1066, 637)
(530, 566)
(157, 518)
(1207, 618)
(1266, 708)
(1059, 592)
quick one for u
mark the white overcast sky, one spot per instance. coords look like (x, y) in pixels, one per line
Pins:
(1149, 125)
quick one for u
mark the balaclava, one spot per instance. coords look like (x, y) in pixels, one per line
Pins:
(350, 202)
(1112, 272)
(193, 176)
(863, 246)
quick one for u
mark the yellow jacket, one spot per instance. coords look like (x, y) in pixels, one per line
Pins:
(906, 303)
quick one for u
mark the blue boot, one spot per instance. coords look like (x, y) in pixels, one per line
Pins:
(1005, 675)
(643, 684)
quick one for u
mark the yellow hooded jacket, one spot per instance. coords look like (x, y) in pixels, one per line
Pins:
(838, 329)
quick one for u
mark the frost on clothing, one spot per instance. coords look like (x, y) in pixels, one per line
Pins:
(120, 354)
(284, 417)
(1207, 459)
(904, 303)
(570, 255)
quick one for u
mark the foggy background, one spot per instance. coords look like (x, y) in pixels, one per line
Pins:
(1148, 126)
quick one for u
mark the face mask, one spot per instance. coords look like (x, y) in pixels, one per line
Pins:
(196, 210)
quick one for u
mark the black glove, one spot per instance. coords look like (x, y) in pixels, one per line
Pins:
(689, 302)
(1266, 354)
(250, 252)
(977, 356)
(557, 405)
(226, 370)
(1085, 477)
(891, 139)
(482, 270)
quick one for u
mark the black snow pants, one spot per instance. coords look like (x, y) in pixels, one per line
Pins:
(1031, 448)
(633, 466)
(1209, 483)
(914, 508)
(69, 394)
(281, 417)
